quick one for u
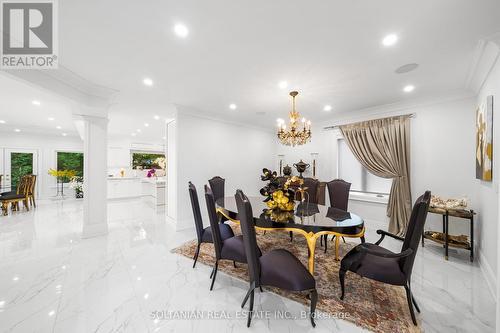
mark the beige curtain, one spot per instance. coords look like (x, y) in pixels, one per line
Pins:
(382, 146)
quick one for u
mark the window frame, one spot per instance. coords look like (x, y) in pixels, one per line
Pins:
(79, 151)
(364, 174)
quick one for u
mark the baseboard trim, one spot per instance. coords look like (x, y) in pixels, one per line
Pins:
(488, 274)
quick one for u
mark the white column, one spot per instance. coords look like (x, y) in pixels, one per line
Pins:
(94, 132)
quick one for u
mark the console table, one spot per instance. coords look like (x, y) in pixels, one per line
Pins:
(446, 213)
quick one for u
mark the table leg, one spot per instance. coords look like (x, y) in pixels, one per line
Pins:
(446, 236)
(444, 225)
(337, 245)
(472, 237)
(311, 245)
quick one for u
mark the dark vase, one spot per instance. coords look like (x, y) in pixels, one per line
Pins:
(287, 170)
(301, 167)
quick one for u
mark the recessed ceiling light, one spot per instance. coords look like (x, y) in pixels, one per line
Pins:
(283, 84)
(164, 137)
(51, 118)
(233, 106)
(64, 134)
(181, 30)
(409, 88)
(2, 121)
(156, 117)
(146, 125)
(138, 130)
(327, 108)
(58, 127)
(280, 121)
(17, 130)
(390, 40)
(51, 313)
(35, 102)
(147, 82)
(133, 134)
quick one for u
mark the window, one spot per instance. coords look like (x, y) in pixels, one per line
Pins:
(361, 179)
(148, 160)
(70, 161)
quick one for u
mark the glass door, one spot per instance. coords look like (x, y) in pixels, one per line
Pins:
(17, 163)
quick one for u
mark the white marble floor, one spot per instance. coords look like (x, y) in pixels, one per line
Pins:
(53, 281)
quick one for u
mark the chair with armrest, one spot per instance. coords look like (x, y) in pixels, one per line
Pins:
(204, 235)
(377, 263)
(277, 268)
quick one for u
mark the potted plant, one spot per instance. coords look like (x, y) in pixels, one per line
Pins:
(76, 183)
(62, 176)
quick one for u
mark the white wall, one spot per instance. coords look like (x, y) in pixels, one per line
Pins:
(486, 193)
(210, 147)
(47, 146)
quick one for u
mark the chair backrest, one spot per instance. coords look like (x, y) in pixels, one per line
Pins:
(338, 190)
(32, 184)
(247, 225)
(414, 230)
(195, 204)
(214, 221)
(24, 185)
(217, 186)
(312, 189)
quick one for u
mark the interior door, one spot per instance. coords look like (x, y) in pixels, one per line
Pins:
(17, 163)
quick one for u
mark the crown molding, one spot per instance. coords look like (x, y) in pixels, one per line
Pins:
(67, 84)
(394, 109)
(485, 57)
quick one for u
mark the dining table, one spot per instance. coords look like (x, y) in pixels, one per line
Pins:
(310, 220)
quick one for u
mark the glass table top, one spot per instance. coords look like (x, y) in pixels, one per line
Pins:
(306, 216)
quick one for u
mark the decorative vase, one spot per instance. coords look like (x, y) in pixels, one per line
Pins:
(287, 170)
(301, 167)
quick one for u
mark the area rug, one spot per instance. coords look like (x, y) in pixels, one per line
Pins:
(368, 304)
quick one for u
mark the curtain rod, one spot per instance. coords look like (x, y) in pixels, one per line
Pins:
(411, 115)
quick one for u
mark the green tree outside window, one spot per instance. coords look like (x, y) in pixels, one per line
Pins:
(70, 161)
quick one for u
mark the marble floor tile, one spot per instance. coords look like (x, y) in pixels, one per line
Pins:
(51, 280)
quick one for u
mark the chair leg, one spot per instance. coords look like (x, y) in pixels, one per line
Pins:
(291, 236)
(252, 287)
(314, 299)
(410, 305)
(362, 239)
(342, 282)
(413, 298)
(326, 243)
(343, 239)
(215, 274)
(234, 264)
(321, 241)
(251, 308)
(196, 254)
(212, 273)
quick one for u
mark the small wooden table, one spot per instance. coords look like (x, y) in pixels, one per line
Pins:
(446, 213)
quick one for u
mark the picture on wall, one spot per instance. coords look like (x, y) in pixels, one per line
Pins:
(484, 140)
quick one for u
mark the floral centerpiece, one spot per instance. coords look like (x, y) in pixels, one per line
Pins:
(62, 176)
(278, 196)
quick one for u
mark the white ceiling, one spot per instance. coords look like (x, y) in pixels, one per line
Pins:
(238, 51)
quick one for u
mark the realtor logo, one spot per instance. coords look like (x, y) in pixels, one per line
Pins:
(29, 34)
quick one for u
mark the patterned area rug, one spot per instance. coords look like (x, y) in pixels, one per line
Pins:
(369, 304)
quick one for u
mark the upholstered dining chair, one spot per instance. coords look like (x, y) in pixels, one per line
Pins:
(338, 192)
(377, 263)
(277, 268)
(312, 186)
(14, 197)
(204, 235)
(217, 185)
(231, 248)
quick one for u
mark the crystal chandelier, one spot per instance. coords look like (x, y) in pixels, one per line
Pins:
(299, 129)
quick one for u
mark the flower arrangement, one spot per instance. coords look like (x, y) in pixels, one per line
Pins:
(61, 176)
(277, 196)
(76, 183)
(151, 173)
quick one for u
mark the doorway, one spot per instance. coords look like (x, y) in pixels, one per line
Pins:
(15, 163)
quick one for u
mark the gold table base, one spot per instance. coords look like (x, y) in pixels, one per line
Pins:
(310, 237)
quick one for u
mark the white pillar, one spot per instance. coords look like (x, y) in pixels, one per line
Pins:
(94, 132)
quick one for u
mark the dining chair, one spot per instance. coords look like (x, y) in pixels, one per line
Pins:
(14, 197)
(338, 192)
(377, 263)
(277, 268)
(231, 248)
(217, 185)
(204, 235)
(312, 186)
(31, 190)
